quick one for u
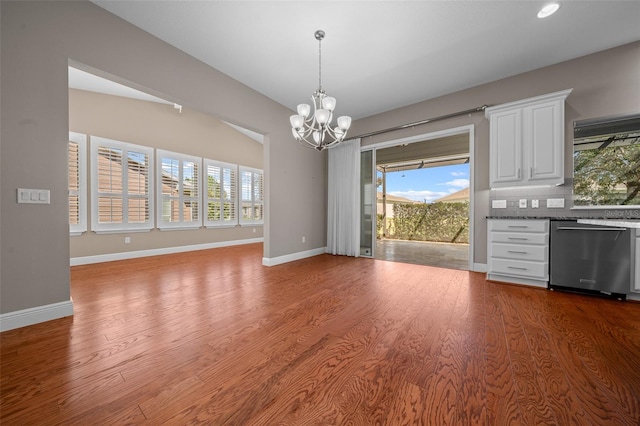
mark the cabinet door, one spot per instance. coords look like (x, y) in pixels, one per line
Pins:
(506, 147)
(544, 143)
(636, 284)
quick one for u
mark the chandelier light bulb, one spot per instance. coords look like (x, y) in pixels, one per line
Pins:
(316, 129)
(323, 116)
(297, 121)
(329, 103)
(304, 110)
(344, 122)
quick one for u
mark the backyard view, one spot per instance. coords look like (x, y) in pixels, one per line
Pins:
(429, 204)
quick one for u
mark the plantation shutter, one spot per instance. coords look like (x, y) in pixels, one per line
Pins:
(221, 194)
(122, 191)
(77, 177)
(179, 192)
(251, 196)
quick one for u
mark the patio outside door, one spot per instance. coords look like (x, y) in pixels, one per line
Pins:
(367, 203)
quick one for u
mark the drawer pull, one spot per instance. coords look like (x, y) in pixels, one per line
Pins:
(517, 252)
(516, 267)
(517, 226)
(517, 238)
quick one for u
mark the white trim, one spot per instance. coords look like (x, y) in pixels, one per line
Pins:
(480, 267)
(38, 314)
(561, 95)
(420, 138)
(273, 261)
(86, 260)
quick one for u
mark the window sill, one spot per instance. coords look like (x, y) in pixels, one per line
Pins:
(121, 231)
(180, 228)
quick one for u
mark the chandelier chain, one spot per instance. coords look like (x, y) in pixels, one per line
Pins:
(320, 64)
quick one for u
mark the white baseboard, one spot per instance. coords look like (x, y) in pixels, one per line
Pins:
(273, 261)
(86, 260)
(36, 315)
(479, 267)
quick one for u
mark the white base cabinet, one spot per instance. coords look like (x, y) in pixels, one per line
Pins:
(518, 251)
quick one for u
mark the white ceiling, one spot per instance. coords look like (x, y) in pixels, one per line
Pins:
(380, 55)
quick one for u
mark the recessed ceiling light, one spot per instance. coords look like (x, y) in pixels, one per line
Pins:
(548, 10)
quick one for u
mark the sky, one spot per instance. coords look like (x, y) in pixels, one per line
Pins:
(428, 184)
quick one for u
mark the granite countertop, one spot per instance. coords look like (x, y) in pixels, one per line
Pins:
(534, 217)
(604, 221)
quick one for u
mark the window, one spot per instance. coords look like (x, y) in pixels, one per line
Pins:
(252, 193)
(77, 168)
(221, 193)
(121, 193)
(178, 191)
(606, 162)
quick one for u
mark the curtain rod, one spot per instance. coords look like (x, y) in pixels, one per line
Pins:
(418, 123)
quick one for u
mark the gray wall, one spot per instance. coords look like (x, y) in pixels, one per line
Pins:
(38, 39)
(159, 126)
(604, 83)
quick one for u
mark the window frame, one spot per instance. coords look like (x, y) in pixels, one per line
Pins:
(80, 140)
(181, 197)
(221, 223)
(241, 220)
(125, 226)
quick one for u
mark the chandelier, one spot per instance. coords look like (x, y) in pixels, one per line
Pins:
(315, 129)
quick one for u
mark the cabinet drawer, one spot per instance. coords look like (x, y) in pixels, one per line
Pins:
(521, 268)
(537, 253)
(519, 238)
(514, 225)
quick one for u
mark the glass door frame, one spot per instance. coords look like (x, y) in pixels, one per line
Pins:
(470, 131)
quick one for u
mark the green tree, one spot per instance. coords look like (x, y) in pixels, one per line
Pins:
(608, 175)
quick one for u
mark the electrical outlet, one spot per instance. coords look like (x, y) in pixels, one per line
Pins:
(127, 240)
(555, 203)
(499, 204)
(535, 204)
(304, 239)
(522, 203)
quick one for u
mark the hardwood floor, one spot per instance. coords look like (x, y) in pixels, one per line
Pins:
(214, 337)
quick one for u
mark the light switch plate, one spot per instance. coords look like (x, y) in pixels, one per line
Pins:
(555, 203)
(33, 196)
(535, 204)
(499, 204)
(522, 203)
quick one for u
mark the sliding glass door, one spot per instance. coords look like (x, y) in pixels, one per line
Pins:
(367, 203)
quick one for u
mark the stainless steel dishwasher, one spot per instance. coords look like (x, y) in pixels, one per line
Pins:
(591, 258)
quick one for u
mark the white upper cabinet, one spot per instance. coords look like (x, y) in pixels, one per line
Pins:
(527, 141)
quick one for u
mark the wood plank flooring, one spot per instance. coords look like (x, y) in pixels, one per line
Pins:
(214, 337)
